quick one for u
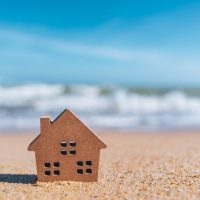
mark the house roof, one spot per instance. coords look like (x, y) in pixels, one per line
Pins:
(67, 114)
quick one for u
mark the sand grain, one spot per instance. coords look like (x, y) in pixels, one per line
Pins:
(134, 166)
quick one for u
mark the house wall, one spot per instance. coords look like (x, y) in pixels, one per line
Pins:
(50, 149)
(69, 167)
(67, 128)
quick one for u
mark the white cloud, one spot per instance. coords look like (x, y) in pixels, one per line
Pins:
(28, 46)
(65, 46)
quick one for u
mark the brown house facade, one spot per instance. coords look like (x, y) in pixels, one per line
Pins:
(66, 150)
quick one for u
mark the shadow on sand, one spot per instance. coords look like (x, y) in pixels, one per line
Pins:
(18, 178)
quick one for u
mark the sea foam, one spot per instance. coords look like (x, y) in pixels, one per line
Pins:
(100, 107)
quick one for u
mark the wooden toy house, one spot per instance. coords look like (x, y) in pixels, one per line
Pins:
(66, 150)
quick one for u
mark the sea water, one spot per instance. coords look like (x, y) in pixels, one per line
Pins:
(101, 107)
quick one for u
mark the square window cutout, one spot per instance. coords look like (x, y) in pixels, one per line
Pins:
(56, 164)
(88, 171)
(79, 163)
(72, 152)
(63, 152)
(88, 163)
(79, 171)
(47, 165)
(63, 144)
(47, 173)
(72, 143)
(56, 172)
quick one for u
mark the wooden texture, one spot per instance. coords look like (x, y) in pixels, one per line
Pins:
(66, 150)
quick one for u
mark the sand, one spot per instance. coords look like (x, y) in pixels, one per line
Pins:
(134, 166)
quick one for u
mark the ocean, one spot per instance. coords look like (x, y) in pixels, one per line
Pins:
(101, 107)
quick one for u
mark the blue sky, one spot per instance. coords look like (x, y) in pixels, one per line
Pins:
(135, 42)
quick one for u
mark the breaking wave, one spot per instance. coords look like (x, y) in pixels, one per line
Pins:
(100, 107)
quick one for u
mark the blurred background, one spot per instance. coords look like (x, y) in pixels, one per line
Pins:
(119, 65)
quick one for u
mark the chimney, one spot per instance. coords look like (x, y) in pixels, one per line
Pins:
(44, 124)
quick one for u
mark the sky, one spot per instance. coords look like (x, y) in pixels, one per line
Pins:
(142, 42)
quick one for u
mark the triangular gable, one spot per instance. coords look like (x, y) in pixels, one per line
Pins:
(64, 116)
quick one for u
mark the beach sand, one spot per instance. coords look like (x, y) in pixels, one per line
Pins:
(134, 166)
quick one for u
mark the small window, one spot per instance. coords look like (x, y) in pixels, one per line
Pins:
(47, 173)
(47, 165)
(72, 144)
(63, 152)
(56, 164)
(56, 172)
(63, 144)
(88, 171)
(72, 152)
(88, 163)
(79, 171)
(79, 163)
